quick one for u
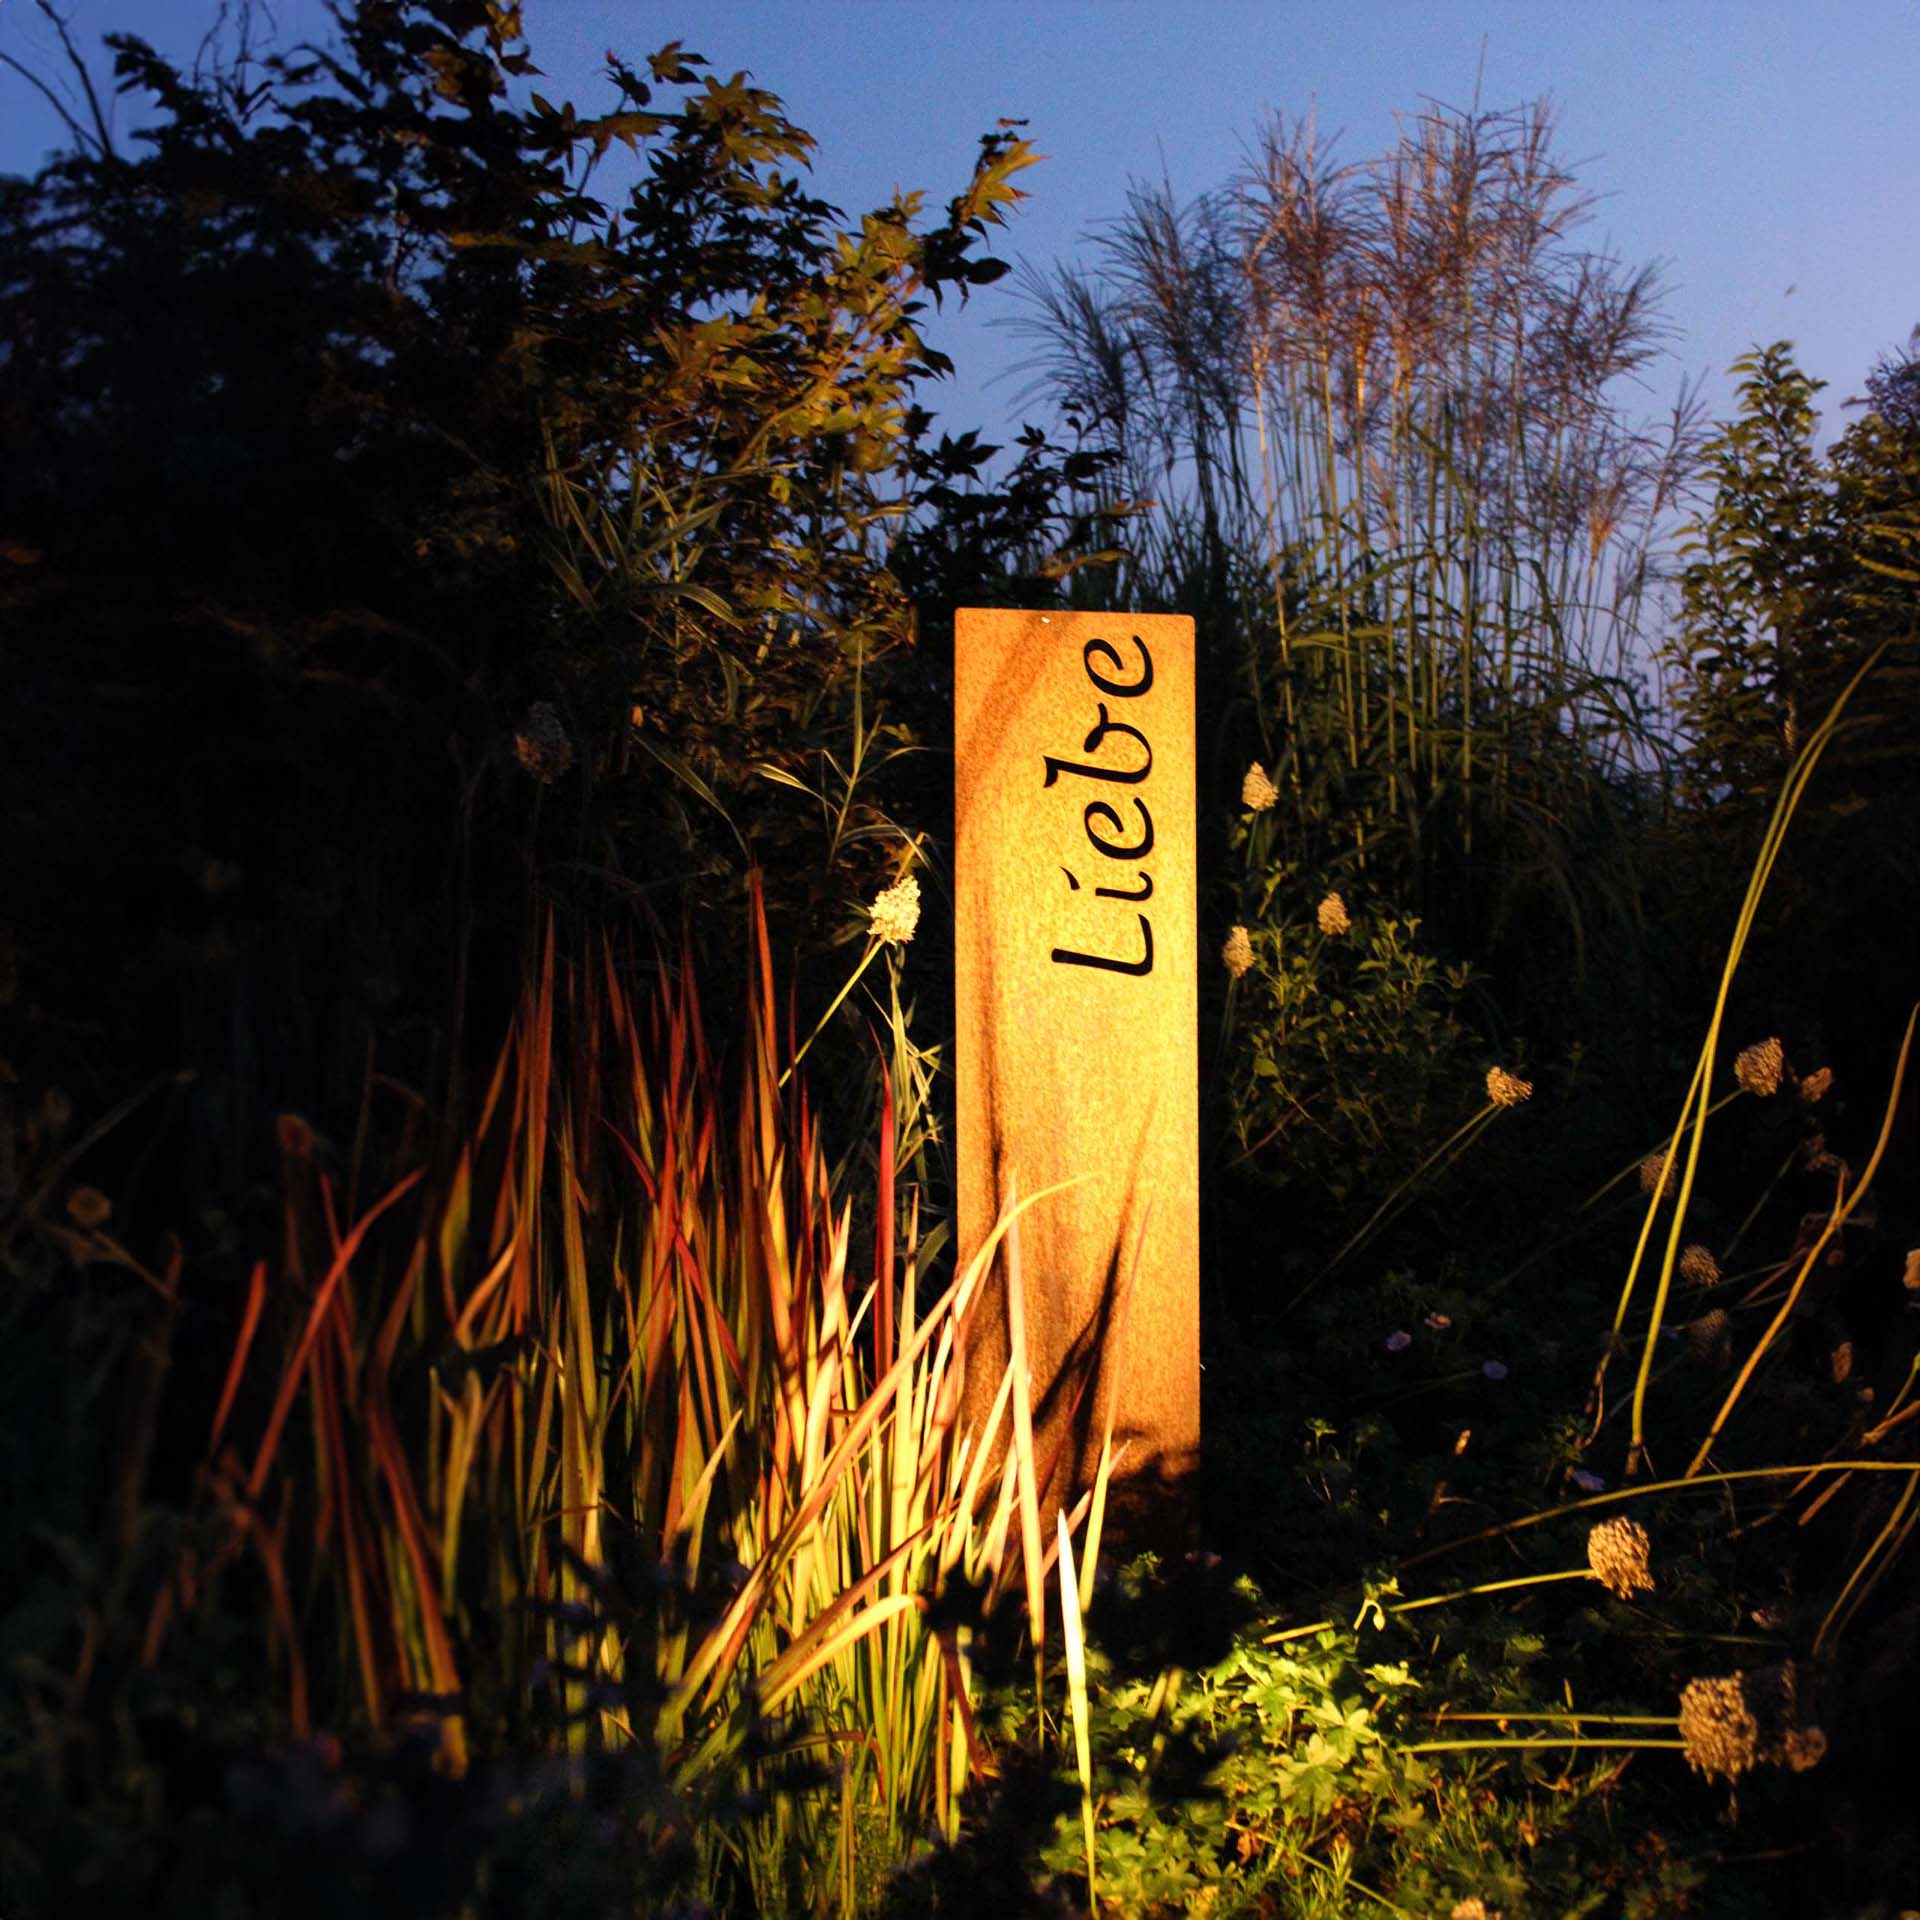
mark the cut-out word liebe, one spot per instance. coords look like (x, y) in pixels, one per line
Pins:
(1103, 813)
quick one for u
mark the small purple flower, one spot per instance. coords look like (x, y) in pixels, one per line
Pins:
(1494, 1369)
(1399, 1340)
(1587, 1482)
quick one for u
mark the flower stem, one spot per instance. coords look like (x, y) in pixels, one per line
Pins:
(1552, 1741)
(1697, 1483)
(1458, 1138)
(1441, 1599)
(873, 947)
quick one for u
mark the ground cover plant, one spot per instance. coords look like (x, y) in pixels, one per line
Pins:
(481, 1327)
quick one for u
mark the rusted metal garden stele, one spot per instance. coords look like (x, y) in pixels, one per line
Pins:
(1076, 1039)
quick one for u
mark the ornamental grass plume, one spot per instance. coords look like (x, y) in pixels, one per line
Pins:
(1257, 792)
(1237, 954)
(1617, 1554)
(895, 912)
(1815, 1086)
(1761, 1067)
(1333, 915)
(1505, 1090)
(541, 744)
(1698, 1267)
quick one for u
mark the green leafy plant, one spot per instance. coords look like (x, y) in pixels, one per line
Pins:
(1343, 1049)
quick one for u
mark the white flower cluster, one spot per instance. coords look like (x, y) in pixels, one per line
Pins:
(895, 913)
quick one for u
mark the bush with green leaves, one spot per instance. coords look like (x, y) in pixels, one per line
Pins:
(1801, 563)
(424, 502)
(1345, 1049)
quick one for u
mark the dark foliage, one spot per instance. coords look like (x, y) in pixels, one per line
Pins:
(343, 420)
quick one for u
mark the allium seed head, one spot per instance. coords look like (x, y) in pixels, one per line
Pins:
(1717, 1727)
(1698, 1267)
(1505, 1090)
(1656, 1177)
(1237, 954)
(1787, 1736)
(1760, 1067)
(1815, 1086)
(1333, 915)
(1617, 1552)
(1711, 1338)
(541, 744)
(1257, 792)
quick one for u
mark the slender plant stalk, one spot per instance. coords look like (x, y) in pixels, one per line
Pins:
(1695, 1482)
(1835, 1221)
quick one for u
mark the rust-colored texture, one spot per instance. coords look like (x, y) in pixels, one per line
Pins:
(1077, 1048)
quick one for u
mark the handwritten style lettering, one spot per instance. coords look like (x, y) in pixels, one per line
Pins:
(1098, 813)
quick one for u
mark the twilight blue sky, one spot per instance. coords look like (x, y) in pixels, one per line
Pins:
(1768, 152)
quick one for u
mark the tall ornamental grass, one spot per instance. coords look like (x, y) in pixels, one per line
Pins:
(601, 1387)
(1385, 410)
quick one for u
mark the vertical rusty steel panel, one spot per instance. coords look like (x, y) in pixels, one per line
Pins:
(1076, 1037)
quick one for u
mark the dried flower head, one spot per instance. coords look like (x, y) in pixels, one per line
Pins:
(1761, 1067)
(88, 1207)
(1237, 954)
(895, 912)
(1717, 1727)
(1698, 1267)
(1815, 1086)
(1505, 1089)
(1910, 1275)
(1711, 1338)
(541, 745)
(1775, 1696)
(1472, 1908)
(1656, 1177)
(1333, 915)
(1617, 1552)
(1257, 792)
